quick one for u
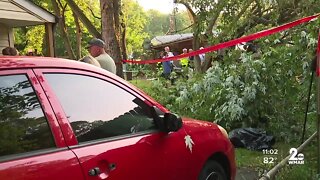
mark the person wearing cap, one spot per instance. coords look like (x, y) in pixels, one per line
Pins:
(96, 50)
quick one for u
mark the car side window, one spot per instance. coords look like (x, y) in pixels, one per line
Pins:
(23, 126)
(98, 109)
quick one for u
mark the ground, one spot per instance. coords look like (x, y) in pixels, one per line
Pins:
(251, 165)
(246, 174)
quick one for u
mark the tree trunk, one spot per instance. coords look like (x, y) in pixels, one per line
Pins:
(123, 42)
(196, 46)
(63, 29)
(196, 34)
(86, 22)
(78, 35)
(116, 15)
(120, 28)
(207, 63)
(109, 32)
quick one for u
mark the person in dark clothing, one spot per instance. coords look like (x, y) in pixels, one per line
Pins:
(191, 60)
(10, 51)
(167, 67)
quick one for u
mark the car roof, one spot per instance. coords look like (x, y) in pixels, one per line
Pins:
(22, 62)
(15, 62)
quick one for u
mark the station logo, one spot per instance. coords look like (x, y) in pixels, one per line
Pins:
(295, 158)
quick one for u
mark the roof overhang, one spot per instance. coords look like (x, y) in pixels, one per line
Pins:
(162, 41)
(17, 13)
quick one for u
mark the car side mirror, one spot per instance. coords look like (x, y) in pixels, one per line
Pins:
(166, 122)
(172, 122)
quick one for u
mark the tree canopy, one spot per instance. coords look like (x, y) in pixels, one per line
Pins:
(140, 25)
(234, 18)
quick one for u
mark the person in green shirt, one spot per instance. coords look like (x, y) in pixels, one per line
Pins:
(96, 49)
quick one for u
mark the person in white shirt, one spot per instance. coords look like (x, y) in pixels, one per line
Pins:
(167, 65)
(202, 56)
(96, 49)
(175, 63)
(167, 50)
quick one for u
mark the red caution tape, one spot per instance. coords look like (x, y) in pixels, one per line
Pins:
(232, 42)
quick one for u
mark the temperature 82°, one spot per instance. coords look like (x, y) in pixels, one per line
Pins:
(269, 160)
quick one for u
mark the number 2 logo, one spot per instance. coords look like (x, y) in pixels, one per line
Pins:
(293, 152)
(294, 156)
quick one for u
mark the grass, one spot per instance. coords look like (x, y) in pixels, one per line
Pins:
(142, 84)
(254, 160)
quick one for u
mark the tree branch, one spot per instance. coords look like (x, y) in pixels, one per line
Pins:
(244, 10)
(86, 22)
(61, 6)
(189, 9)
(92, 13)
(63, 29)
(78, 35)
(184, 28)
(214, 18)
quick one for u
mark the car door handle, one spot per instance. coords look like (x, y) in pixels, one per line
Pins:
(94, 171)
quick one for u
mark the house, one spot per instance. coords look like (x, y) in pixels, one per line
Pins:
(176, 42)
(19, 13)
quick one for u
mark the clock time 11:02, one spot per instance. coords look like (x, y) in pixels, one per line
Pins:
(270, 151)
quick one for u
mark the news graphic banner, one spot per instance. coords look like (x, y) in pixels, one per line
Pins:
(233, 42)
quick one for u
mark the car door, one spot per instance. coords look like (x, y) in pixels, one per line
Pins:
(115, 132)
(31, 142)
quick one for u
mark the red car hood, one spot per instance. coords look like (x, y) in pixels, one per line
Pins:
(198, 124)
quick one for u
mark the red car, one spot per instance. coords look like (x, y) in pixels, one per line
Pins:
(61, 119)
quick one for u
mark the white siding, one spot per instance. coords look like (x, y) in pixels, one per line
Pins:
(4, 37)
(11, 37)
